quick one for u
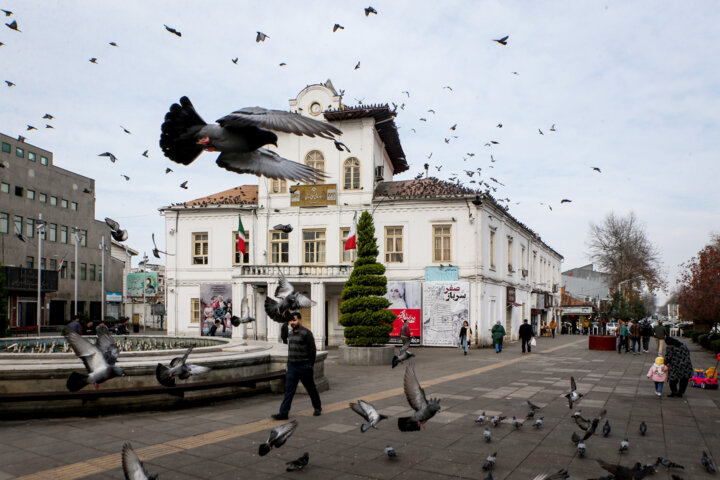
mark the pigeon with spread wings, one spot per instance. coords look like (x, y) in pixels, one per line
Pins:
(424, 409)
(290, 301)
(132, 466)
(116, 232)
(99, 359)
(156, 251)
(239, 137)
(368, 412)
(178, 369)
(278, 437)
(244, 314)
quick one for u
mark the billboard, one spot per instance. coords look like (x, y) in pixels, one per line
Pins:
(144, 283)
(216, 304)
(446, 305)
(405, 302)
(441, 274)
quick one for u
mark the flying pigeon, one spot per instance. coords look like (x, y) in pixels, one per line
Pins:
(368, 412)
(132, 466)
(6, 12)
(282, 64)
(624, 445)
(503, 40)
(290, 301)
(487, 434)
(390, 452)
(668, 464)
(113, 44)
(559, 475)
(403, 354)
(244, 314)
(127, 179)
(278, 437)
(298, 464)
(126, 130)
(156, 252)
(9, 83)
(337, 27)
(637, 472)
(573, 396)
(707, 463)
(357, 66)
(606, 428)
(597, 169)
(540, 132)
(490, 461)
(115, 231)
(538, 422)
(145, 154)
(184, 185)
(13, 26)
(172, 30)
(178, 369)
(93, 60)
(552, 129)
(286, 228)
(168, 170)
(47, 116)
(424, 409)
(87, 190)
(369, 10)
(239, 137)
(643, 428)
(99, 359)
(112, 157)
(565, 200)
(260, 37)
(235, 60)
(481, 418)
(47, 125)
(341, 146)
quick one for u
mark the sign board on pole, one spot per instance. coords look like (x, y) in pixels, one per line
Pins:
(143, 283)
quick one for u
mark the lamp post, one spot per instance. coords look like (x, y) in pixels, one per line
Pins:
(76, 239)
(102, 278)
(145, 260)
(40, 230)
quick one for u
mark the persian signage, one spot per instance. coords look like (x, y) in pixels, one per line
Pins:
(405, 303)
(446, 305)
(313, 195)
(441, 274)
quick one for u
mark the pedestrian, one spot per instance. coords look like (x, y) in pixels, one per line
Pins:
(498, 333)
(660, 333)
(74, 325)
(646, 332)
(213, 329)
(89, 328)
(635, 331)
(405, 330)
(553, 326)
(284, 333)
(526, 334)
(680, 366)
(122, 327)
(658, 374)
(465, 334)
(625, 337)
(300, 362)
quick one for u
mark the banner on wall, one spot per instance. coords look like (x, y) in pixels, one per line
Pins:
(405, 302)
(216, 304)
(445, 306)
(143, 283)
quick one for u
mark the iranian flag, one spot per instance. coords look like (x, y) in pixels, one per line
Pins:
(60, 265)
(241, 237)
(352, 235)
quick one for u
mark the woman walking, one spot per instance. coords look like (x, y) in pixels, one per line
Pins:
(677, 358)
(465, 334)
(498, 332)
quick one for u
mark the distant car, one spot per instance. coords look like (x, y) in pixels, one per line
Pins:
(611, 327)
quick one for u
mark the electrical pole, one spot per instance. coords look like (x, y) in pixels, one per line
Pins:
(76, 239)
(102, 278)
(40, 230)
(145, 260)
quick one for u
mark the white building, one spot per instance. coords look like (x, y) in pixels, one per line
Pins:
(420, 224)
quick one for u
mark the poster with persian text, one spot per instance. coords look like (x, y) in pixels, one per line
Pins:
(445, 306)
(216, 304)
(405, 302)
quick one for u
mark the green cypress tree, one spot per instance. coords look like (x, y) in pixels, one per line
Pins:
(364, 314)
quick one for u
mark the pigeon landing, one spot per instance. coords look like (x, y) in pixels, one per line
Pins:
(116, 232)
(573, 396)
(239, 137)
(424, 409)
(99, 359)
(132, 466)
(368, 412)
(403, 354)
(290, 301)
(278, 437)
(244, 314)
(298, 464)
(178, 369)
(156, 252)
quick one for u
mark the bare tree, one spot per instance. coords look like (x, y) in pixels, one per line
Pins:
(620, 247)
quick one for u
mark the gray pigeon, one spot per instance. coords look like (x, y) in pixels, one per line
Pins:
(178, 369)
(487, 434)
(112, 157)
(516, 423)
(573, 396)
(290, 301)
(286, 228)
(708, 463)
(581, 448)
(244, 314)
(278, 437)
(490, 461)
(481, 418)
(390, 452)
(99, 359)
(403, 354)
(132, 466)
(239, 137)
(637, 472)
(538, 422)
(298, 464)
(497, 420)
(624, 445)
(643, 428)
(667, 463)
(368, 412)
(424, 409)
(156, 252)
(575, 438)
(606, 428)
(116, 232)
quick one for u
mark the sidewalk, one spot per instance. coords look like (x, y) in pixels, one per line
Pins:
(221, 440)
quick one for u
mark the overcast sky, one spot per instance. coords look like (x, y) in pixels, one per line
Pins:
(631, 87)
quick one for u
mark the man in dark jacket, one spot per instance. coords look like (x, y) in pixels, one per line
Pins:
(680, 366)
(660, 333)
(301, 359)
(646, 332)
(526, 334)
(635, 330)
(74, 325)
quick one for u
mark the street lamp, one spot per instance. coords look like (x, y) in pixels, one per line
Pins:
(102, 278)
(144, 262)
(40, 230)
(76, 239)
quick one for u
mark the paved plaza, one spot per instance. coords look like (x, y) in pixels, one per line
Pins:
(220, 441)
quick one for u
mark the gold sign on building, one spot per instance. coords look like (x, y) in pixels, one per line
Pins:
(313, 195)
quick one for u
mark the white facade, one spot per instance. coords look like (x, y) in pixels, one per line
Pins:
(515, 257)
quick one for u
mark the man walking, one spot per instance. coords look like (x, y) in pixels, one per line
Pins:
(301, 359)
(660, 333)
(646, 331)
(405, 330)
(526, 334)
(635, 330)
(74, 325)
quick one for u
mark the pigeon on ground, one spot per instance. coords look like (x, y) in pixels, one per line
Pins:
(261, 37)
(503, 40)
(112, 157)
(115, 231)
(581, 448)
(390, 452)
(298, 464)
(637, 472)
(490, 461)
(573, 396)
(368, 412)
(244, 314)
(532, 406)
(516, 422)
(538, 422)
(99, 359)
(707, 463)
(132, 466)
(606, 428)
(278, 437)
(487, 434)
(290, 301)
(481, 418)
(497, 420)
(239, 137)
(530, 415)
(286, 228)
(643, 428)
(172, 30)
(578, 415)
(424, 409)
(178, 369)
(403, 354)
(575, 438)
(156, 252)
(667, 463)
(624, 445)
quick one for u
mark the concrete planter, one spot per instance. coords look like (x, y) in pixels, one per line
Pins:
(366, 355)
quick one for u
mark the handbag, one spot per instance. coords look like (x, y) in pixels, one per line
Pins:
(533, 342)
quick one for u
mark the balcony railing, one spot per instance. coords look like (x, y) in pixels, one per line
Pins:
(326, 271)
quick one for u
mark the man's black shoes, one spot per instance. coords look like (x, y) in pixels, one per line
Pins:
(317, 412)
(279, 416)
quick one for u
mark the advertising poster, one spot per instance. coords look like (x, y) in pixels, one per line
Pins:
(216, 304)
(144, 283)
(446, 305)
(405, 302)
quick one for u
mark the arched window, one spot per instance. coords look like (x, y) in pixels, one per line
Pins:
(351, 174)
(316, 160)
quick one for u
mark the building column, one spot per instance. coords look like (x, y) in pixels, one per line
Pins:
(272, 327)
(261, 317)
(317, 314)
(239, 291)
(475, 320)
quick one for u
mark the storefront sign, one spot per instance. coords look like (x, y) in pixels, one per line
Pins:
(113, 297)
(510, 294)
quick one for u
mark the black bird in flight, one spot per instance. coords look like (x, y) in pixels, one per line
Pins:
(6, 12)
(597, 169)
(93, 60)
(552, 129)
(145, 154)
(370, 10)
(30, 127)
(125, 130)
(448, 87)
(9, 83)
(341, 146)
(261, 37)
(172, 30)
(184, 185)
(113, 44)
(235, 60)
(565, 200)
(13, 26)
(47, 116)
(540, 132)
(47, 125)
(112, 157)
(357, 66)
(283, 64)
(337, 27)
(168, 170)
(127, 179)
(502, 41)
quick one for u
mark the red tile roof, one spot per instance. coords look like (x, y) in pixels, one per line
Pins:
(242, 195)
